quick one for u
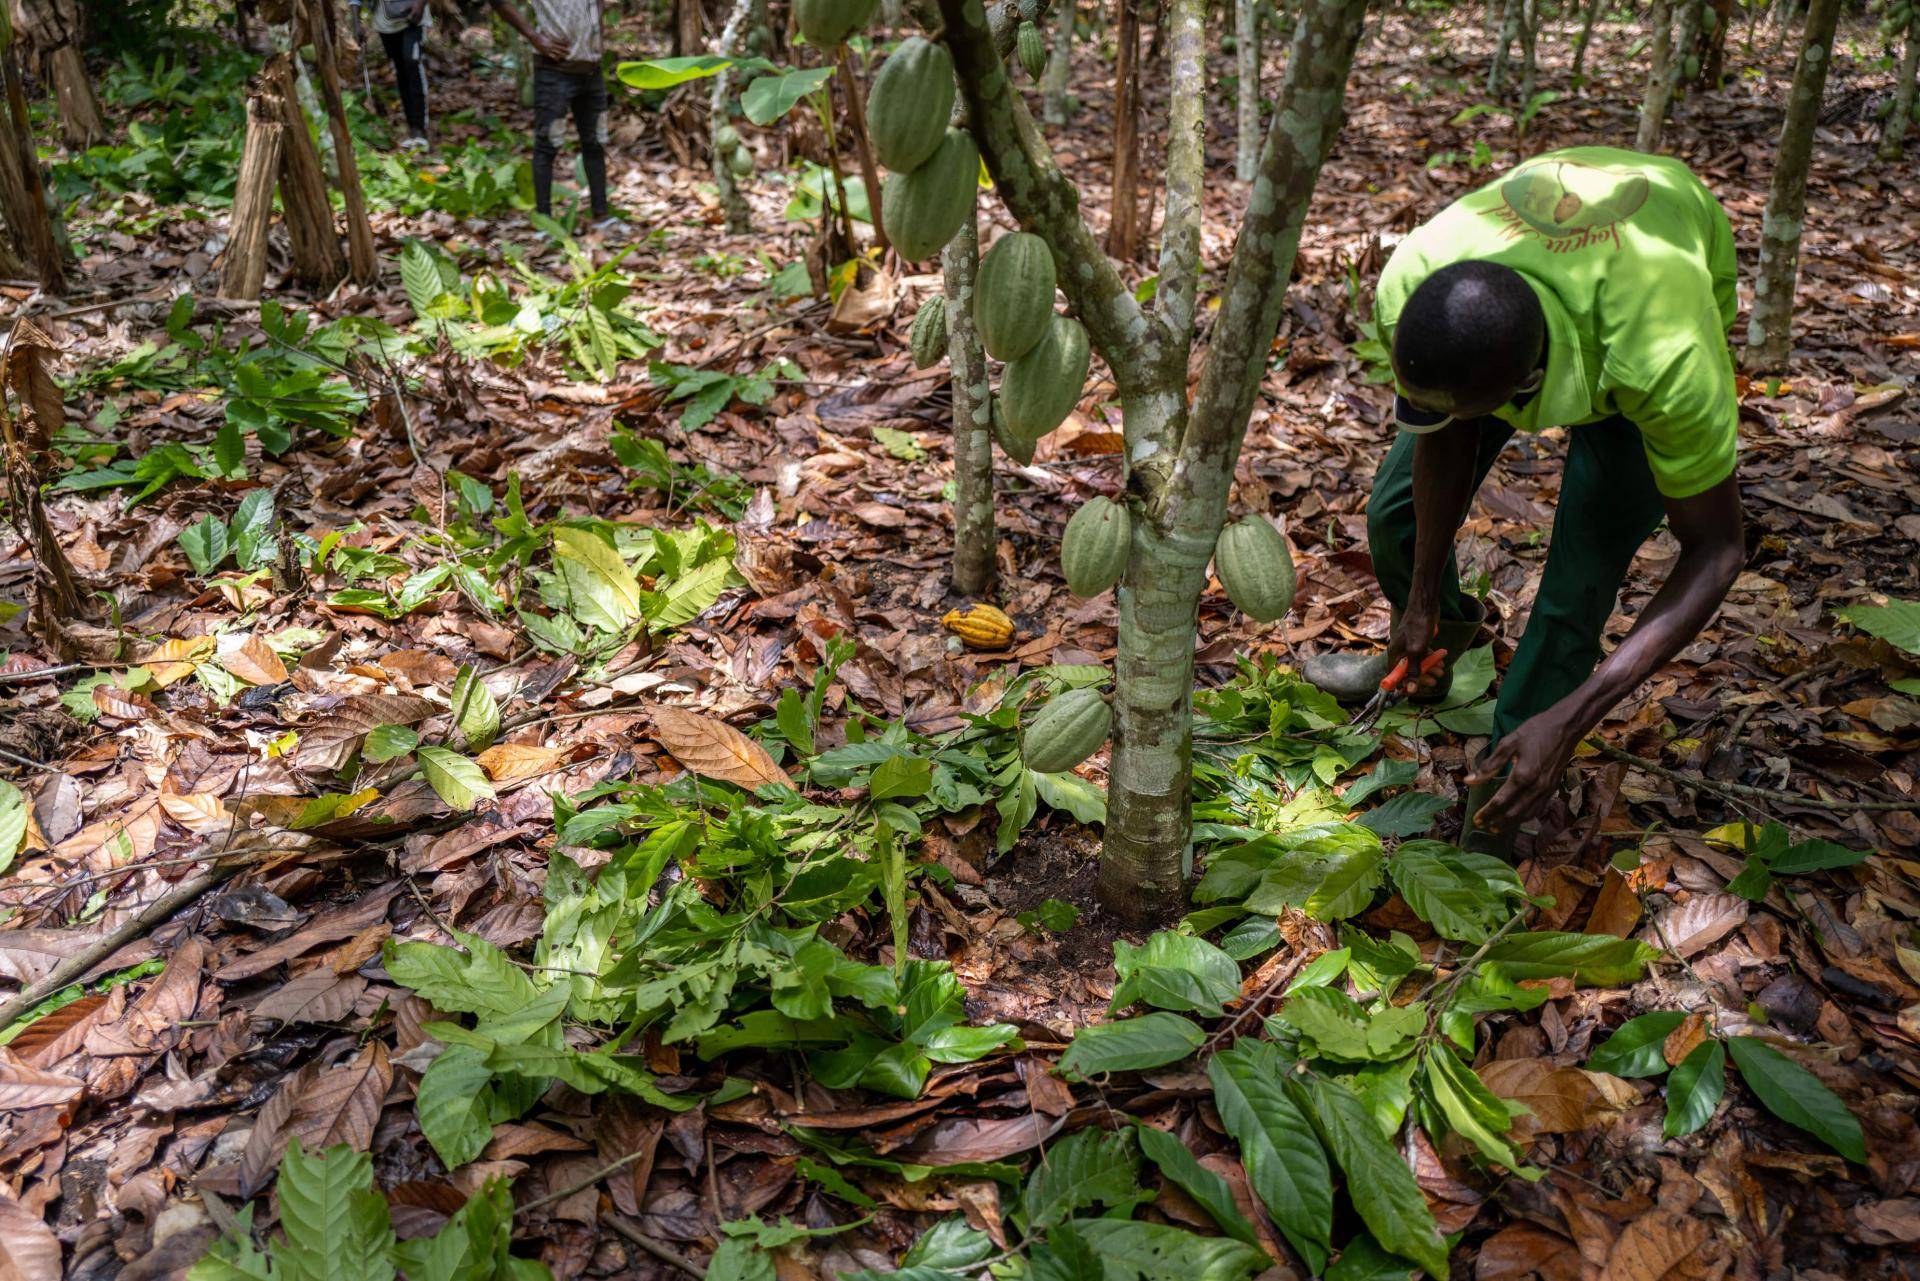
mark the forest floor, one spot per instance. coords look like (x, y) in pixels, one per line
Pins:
(199, 729)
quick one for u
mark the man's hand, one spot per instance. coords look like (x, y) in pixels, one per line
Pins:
(1538, 752)
(1419, 624)
(548, 46)
(419, 9)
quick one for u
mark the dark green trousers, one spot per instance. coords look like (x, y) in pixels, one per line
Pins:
(1608, 507)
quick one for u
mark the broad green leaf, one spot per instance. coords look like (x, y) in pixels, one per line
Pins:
(420, 278)
(205, 544)
(472, 1245)
(1379, 1182)
(1408, 814)
(1130, 1045)
(1596, 960)
(454, 1112)
(1351, 870)
(1363, 1259)
(388, 742)
(665, 73)
(13, 823)
(771, 96)
(900, 776)
(1157, 1252)
(1284, 1160)
(1464, 896)
(688, 595)
(1089, 1167)
(251, 529)
(950, 1243)
(1335, 1026)
(455, 779)
(234, 1257)
(601, 591)
(1085, 800)
(1694, 1089)
(740, 1260)
(480, 980)
(1066, 1256)
(1817, 856)
(1636, 1047)
(1797, 1097)
(1897, 622)
(1388, 773)
(336, 1226)
(1174, 972)
(1473, 1111)
(475, 712)
(1208, 1190)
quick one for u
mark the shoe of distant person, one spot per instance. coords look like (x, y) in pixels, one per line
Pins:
(414, 143)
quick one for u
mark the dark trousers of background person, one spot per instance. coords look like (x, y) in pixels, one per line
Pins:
(406, 49)
(559, 90)
(1609, 505)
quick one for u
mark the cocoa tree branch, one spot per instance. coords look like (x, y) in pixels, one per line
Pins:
(1186, 172)
(1297, 144)
(1042, 198)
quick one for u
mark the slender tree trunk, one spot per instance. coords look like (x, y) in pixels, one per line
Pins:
(1529, 37)
(1053, 84)
(361, 259)
(687, 25)
(1510, 15)
(1770, 327)
(81, 122)
(1581, 41)
(1713, 67)
(304, 201)
(1246, 58)
(1686, 43)
(22, 197)
(26, 446)
(1123, 233)
(973, 536)
(1653, 110)
(732, 203)
(862, 145)
(1894, 134)
(244, 269)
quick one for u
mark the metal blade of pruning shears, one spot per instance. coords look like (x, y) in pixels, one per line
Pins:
(1391, 690)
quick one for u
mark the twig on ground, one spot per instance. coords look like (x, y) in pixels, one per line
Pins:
(612, 1167)
(664, 1253)
(1743, 789)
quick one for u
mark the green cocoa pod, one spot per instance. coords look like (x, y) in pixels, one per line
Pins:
(1018, 448)
(928, 339)
(826, 23)
(911, 101)
(1068, 729)
(725, 139)
(740, 162)
(1013, 300)
(759, 40)
(1256, 569)
(1690, 69)
(1040, 389)
(1032, 47)
(925, 206)
(1093, 553)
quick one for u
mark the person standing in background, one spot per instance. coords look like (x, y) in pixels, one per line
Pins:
(402, 28)
(567, 78)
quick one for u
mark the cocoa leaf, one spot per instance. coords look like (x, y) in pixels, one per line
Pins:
(714, 749)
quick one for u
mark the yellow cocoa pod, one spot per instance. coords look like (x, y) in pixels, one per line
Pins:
(980, 627)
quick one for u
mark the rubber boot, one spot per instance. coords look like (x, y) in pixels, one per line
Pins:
(1477, 840)
(1354, 678)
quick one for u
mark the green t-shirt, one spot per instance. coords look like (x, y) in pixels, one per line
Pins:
(1632, 258)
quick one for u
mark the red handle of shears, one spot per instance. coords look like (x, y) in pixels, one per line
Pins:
(1398, 676)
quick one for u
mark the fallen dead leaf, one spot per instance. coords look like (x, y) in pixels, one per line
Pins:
(714, 749)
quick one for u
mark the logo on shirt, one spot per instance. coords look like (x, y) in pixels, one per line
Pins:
(1570, 205)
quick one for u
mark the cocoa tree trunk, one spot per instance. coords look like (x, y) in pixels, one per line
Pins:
(1770, 327)
(1713, 66)
(26, 444)
(862, 145)
(1894, 134)
(244, 268)
(973, 534)
(733, 204)
(1123, 234)
(1653, 109)
(1529, 66)
(1053, 84)
(303, 186)
(1582, 40)
(1246, 61)
(22, 197)
(361, 259)
(1686, 44)
(81, 122)
(688, 25)
(1510, 14)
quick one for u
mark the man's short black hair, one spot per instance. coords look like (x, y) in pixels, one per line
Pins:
(1471, 334)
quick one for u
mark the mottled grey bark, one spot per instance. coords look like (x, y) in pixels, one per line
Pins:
(1053, 85)
(1581, 41)
(1685, 42)
(1186, 171)
(1509, 30)
(1529, 65)
(1894, 134)
(1179, 462)
(1770, 328)
(732, 203)
(1246, 64)
(972, 417)
(1653, 108)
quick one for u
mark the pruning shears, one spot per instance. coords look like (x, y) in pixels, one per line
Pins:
(1391, 690)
